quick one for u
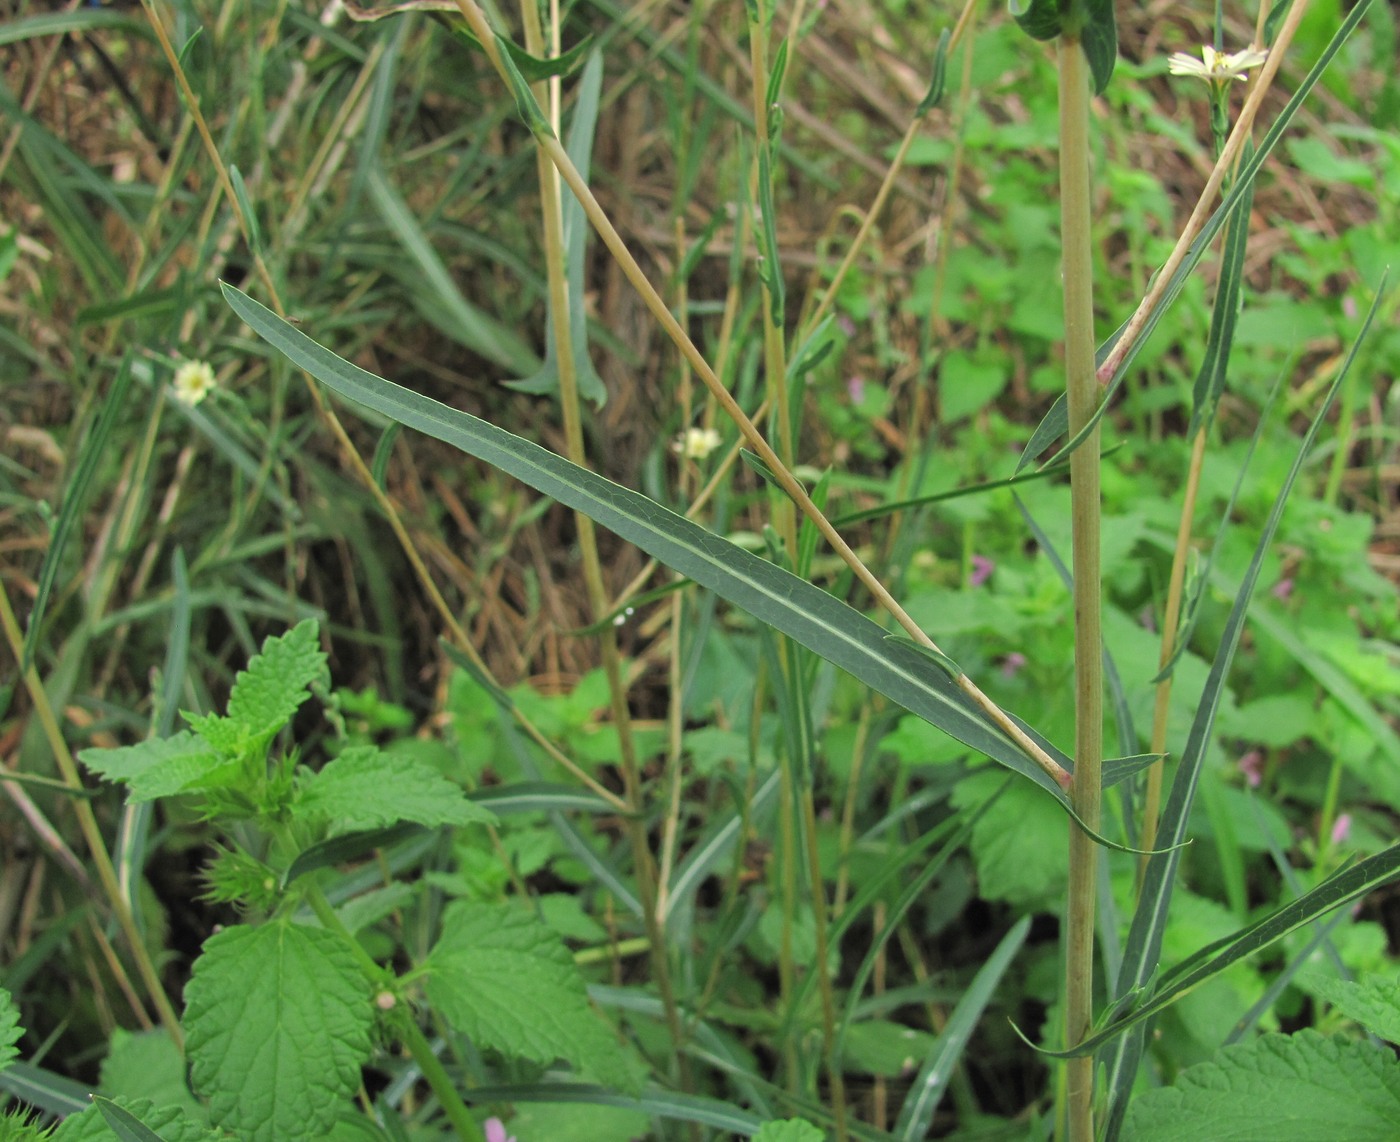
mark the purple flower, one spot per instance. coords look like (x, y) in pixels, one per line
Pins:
(1148, 619)
(982, 569)
(1341, 828)
(1282, 590)
(1252, 766)
(855, 389)
(495, 1131)
(844, 323)
(1012, 663)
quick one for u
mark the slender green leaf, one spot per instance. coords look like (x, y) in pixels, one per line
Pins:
(1144, 943)
(1098, 39)
(125, 1125)
(44, 1089)
(447, 308)
(93, 452)
(927, 1090)
(934, 95)
(791, 605)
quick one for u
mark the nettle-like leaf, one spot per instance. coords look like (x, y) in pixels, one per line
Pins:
(364, 788)
(278, 1019)
(788, 1130)
(133, 1120)
(1298, 1088)
(277, 682)
(10, 1030)
(500, 976)
(1375, 1004)
(162, 767)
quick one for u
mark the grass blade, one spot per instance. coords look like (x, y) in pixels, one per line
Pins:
(932, 1079)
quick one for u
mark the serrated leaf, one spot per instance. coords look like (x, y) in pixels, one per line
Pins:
(10, 1030)
(1375, 1004)
(500, 976)
(277, 681)
(132, 1120)
(278, 1019)
(1299, 1088)
(365, 789)
(788, 1130)
(162, 767)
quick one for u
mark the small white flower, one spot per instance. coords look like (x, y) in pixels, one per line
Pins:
(194, 380)
(697, 443)
(1216, 67)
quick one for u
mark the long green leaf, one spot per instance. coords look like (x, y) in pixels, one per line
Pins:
(1144, 944)
(932, 1080)
(74, 497)
(825, 625)
(123, 1123)
(1339, 889)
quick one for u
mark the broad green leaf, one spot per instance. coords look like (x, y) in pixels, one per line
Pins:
(799, 609)
(132, 1120)
(500, 976)
(278, 1020)
(163, 767)
(788, 1130)
(1299, 1088)
(277, 681)
(365, 789)
(1039, 19)
(10, 1030)
(147, 1064)
(1375, 1004)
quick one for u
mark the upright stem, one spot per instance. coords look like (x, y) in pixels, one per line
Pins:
(1083, 396)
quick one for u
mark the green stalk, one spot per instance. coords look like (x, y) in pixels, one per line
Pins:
(1082, 392)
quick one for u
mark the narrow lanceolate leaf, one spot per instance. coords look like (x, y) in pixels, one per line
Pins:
(1143, 949)
(1297, 1088)
(1099, 40)
(278, 1020)
(365, 789)
(791, 605)
(1339, 889)
(932, 1080)
(500, 976)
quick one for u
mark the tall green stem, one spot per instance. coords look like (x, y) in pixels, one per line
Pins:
(1082, 391)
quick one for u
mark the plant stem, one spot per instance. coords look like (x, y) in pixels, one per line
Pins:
(1082, 393)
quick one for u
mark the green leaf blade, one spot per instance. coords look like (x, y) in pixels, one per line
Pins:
(1299, 1088)
(502, 977)
(365, 789)
(277, 681)
(278, 1020)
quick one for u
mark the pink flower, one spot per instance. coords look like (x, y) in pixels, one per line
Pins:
(844, 323)
(495, 1131)
(982, 569)
(855, 389)
(1282, 590)
(1341, 828)
(1012, 663)
(1252, 766)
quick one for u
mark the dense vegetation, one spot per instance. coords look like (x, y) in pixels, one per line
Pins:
(356, 787)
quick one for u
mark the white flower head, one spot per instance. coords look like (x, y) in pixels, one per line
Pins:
(697, 443)
(1216, 68)
(194, 380)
